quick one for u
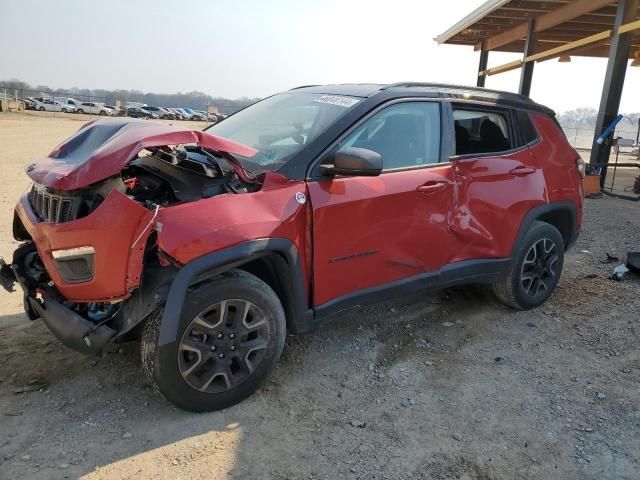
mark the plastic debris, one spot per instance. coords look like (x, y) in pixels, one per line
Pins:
(619, 272)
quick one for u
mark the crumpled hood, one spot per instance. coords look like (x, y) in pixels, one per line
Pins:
(102, 148)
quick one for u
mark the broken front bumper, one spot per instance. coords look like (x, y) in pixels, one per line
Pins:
(72, 330)
(116, 233)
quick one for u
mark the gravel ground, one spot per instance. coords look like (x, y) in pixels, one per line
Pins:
(446, 385)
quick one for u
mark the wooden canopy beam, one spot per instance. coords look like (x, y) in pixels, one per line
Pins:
(577, 46)
(548, 20)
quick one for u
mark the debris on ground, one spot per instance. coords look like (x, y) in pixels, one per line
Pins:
(619, 272)
(610, 259)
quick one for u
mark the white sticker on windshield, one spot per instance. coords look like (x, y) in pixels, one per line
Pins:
(345, 102)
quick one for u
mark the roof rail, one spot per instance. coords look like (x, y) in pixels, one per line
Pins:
(448, 85)
(304, 86)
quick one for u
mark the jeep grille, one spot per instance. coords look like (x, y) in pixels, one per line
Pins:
(54, 208)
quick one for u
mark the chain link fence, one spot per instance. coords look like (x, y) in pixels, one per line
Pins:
(582, 138)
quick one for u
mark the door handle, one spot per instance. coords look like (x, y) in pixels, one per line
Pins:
(522, 170)
(432, 187)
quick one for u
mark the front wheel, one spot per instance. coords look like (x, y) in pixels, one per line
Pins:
(64, 110)
(80, 111)
(535, 269)
(41, 109)
(229, 338)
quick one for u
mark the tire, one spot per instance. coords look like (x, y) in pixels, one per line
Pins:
(535, 270)
(102, 113)
(80, 111)
(41, 109)
(239, 354)
(64, 110)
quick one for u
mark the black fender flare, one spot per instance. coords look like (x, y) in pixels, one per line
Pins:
(565, 206)
(215, 263)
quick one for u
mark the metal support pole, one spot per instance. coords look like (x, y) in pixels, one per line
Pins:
(638, 139)
(482, 66)
(526, 73)
(613, 83)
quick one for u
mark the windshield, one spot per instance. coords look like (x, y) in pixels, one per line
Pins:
(280, 126)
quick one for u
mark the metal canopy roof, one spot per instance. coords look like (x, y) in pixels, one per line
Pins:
(502, 25)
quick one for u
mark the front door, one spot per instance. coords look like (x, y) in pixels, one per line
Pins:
(372, 231)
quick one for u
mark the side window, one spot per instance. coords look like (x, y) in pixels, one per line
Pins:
(480, 131)
(405, 134)
(528, 131)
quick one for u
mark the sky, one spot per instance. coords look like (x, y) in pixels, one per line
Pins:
(251, 48)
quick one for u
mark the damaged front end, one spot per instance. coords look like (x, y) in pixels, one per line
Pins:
(89, 265)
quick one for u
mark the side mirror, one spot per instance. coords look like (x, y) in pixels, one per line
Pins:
(353, 162)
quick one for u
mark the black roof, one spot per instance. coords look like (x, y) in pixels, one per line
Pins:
(437, 90)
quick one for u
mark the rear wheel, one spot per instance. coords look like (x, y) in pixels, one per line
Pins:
(64, 110)
(230, 336)
(41, 109)
(102, 113)
(535, 270)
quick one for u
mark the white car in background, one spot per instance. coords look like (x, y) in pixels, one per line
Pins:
(115, 111)
(185, 114)
(94, 108)
(48, 105)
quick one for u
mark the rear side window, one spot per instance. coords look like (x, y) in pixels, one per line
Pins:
(527, 130)
(481, 131)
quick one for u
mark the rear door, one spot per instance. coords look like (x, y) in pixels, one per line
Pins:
(498, 180)
(372, 231)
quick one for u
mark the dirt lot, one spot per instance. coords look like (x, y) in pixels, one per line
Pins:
(450, 385)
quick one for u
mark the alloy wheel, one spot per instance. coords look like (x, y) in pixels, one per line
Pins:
(223, 345)
(539, 267)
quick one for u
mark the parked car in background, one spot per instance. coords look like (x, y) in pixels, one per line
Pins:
(197, 115)
(208, 117)
(162, 113)
(49, 105)
(185, 114)
(29, 103)
(94, 108)
(115, 110)
(176, 112)
(137, 112)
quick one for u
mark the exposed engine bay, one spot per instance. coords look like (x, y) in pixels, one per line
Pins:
(166, 176)
(158, 176)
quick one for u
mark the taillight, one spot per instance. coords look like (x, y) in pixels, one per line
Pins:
(581, 164)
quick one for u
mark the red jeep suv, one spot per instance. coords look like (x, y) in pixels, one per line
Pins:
(211, 245)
